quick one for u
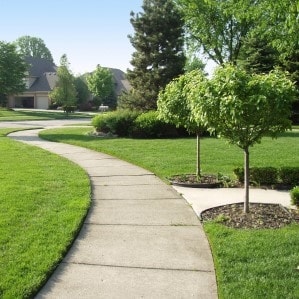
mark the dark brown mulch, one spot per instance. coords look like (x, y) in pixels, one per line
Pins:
(192, 178)
(260, 216)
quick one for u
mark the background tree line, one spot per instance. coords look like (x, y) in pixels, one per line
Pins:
(254, 35)
(170, 36)
(86, 90)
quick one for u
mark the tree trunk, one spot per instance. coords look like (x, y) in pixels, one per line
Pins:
(246, 180)
(198, 154)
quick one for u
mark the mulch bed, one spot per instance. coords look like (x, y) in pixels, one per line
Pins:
(260, 216)
(193, 179)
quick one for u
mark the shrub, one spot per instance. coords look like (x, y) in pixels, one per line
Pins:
(239, 173)
(295, 196)
(117, 122)
(258, 175)
(122, 122)
(289, 176)
(148, 125)
(264, 175)
(100, 123)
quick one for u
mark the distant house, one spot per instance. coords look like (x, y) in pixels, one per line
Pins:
(120, 81)
(41, 79)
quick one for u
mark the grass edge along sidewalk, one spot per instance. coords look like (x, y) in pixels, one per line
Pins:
(249, 263)
(44, 199)
(20, 115)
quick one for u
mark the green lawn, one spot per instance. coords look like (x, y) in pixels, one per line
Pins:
(10, 115)
(166, 157)
(43, 201)
(249, 263)
(255, 263)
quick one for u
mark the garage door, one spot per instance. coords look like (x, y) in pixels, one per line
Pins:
(42, 103)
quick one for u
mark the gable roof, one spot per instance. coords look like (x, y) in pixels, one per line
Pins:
(44, 73)
(121, 82)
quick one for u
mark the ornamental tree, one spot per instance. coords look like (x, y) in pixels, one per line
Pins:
(243, 108)
(174, 105)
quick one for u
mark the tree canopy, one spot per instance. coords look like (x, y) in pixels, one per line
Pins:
(83, 93)
(175, 104)
(217, 28)
(159, 55)
(33, 46)
(12, 70)
(278, 21)
(101, 83)
(223, 29)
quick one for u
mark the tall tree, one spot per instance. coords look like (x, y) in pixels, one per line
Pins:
(33, 46)
(12, 70)
(218, 27)
(278, 21)
(159, 55)
(101, 84)
(65, 91)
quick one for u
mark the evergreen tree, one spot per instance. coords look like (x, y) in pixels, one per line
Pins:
(258, 56)
(83, 93)
(159, 55)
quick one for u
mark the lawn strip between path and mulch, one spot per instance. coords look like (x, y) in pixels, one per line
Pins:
(255, 263)
(167, 157)
(249, 263)
(43, 201)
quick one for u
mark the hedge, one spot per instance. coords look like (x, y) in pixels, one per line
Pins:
(270, 176)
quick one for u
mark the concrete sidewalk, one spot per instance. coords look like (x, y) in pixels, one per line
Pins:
(141, 239)
(201, 199)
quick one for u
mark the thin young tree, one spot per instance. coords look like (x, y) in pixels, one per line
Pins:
(175, 106)
(64, 93)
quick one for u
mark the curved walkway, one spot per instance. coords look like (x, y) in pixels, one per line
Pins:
(141, 239)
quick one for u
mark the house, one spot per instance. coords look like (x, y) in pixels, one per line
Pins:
(41, 79)
(120, 81)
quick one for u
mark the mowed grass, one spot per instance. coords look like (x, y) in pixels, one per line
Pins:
(249, 263)
(255, 263)
(43, 201)
(11, 115)
(166, 157)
